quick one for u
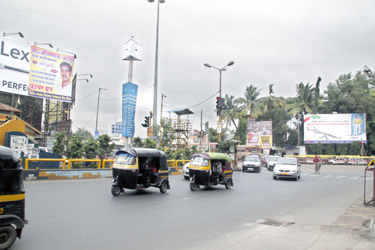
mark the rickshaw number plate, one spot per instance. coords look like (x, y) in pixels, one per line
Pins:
(1, 210)
(284, 173)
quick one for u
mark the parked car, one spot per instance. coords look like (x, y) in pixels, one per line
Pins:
(252, 163)
(185, 170)
(272, 162)
(287, 168)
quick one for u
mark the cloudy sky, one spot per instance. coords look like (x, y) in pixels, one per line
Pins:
(271, 42)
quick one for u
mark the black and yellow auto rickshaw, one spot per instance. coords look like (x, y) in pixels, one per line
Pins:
(136, 168)
(12, 198)
(210, 169)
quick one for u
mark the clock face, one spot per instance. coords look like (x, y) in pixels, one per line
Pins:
(132, 49)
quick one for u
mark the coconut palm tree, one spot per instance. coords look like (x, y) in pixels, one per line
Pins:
(304, 101)
(250, 103)
(228, 115)
(271, 101)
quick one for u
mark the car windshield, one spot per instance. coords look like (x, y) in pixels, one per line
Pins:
(274, 158)
(251, 158)
(199, 161)
(125, 158)
(287, 161)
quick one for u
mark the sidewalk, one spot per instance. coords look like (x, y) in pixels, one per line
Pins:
(359, 215)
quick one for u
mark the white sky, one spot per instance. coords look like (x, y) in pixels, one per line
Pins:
(280, 42)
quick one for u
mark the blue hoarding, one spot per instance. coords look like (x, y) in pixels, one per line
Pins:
(129, 101)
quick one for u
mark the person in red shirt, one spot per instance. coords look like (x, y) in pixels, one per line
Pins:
(316, 161)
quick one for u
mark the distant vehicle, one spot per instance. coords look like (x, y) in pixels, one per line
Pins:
(185, 170)
(337, 161)
(252, 163)
(45, 149)
(272, 162)
(287, 168)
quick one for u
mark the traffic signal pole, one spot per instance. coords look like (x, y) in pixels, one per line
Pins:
(220, 110)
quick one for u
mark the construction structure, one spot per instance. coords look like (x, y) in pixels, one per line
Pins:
(181, 128)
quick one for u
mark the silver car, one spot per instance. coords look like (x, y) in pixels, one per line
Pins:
(287, 168)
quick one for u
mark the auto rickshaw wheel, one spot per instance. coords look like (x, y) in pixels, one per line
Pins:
(116, 190)
(228, 185)
(8, 236)
(163, 187)
(193, 186)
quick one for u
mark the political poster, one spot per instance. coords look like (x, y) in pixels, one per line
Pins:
(259, 134)
(129, 101)
(51, 74)
(335, 128)
(14, 67)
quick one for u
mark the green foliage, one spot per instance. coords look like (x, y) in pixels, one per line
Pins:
(137, 142)
(105, 146)
(84, 133)
(59, 143)
(213, 135)
(90, 148)
(148, 143)
(75, 147)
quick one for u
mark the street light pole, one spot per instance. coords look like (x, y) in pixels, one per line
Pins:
(155, 102)
(220, 70)
(97, 110)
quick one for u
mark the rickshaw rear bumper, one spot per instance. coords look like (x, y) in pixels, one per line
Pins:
(13, 220)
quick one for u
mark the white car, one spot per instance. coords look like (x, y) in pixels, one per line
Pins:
(287, 168)
(185, 170)
(251, 163)
(272, 162)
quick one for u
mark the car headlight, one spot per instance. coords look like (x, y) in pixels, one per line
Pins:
(293, 171)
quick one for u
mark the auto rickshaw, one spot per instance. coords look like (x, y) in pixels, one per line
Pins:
(12, 198)
(136, 168)
(210, 169)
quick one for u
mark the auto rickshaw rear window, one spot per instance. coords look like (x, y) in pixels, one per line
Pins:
(199, 161)
(125, 158)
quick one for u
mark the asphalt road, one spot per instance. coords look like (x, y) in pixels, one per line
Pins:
(257, 213)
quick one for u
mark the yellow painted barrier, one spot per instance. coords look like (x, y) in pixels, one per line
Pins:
(83, 160)
(171, 163)
(108, 160)
(27, 161)
(183, 161)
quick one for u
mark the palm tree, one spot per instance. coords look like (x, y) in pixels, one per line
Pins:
(228, 115)
(304, 100)
(250, 104)
(271, 101)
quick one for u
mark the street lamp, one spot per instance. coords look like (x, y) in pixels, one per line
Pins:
(10, 34)
(75, 56)
(43, 44)
(155, 108)
(367, 71)
(220, 70)
(85, 75)
(97, 110)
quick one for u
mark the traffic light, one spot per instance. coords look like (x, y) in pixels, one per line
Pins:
(147, 122)
(218, 103)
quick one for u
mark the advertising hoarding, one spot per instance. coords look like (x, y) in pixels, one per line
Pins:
(51, 74)
(335, 128)
(259, 134)
(14, 67)
(129, 101)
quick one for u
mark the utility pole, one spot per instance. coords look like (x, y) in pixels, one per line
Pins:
(97, 110)
(201, 130)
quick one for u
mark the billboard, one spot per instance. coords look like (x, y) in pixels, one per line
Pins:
(129, 101)
(259, 134)
(14, 67)
(51, 74)
(335, 128)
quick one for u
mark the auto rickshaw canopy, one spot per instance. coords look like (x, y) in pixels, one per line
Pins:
(146, 153)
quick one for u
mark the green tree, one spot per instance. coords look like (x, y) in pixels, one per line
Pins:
(229, 115)
(137, 142)
(59, 144)
(213, 135)
(148, 143)
(90, 148)
(241, 131)
(249, 105)
(75, 147)
(304, 100)
(105, 146)
(84, 133)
